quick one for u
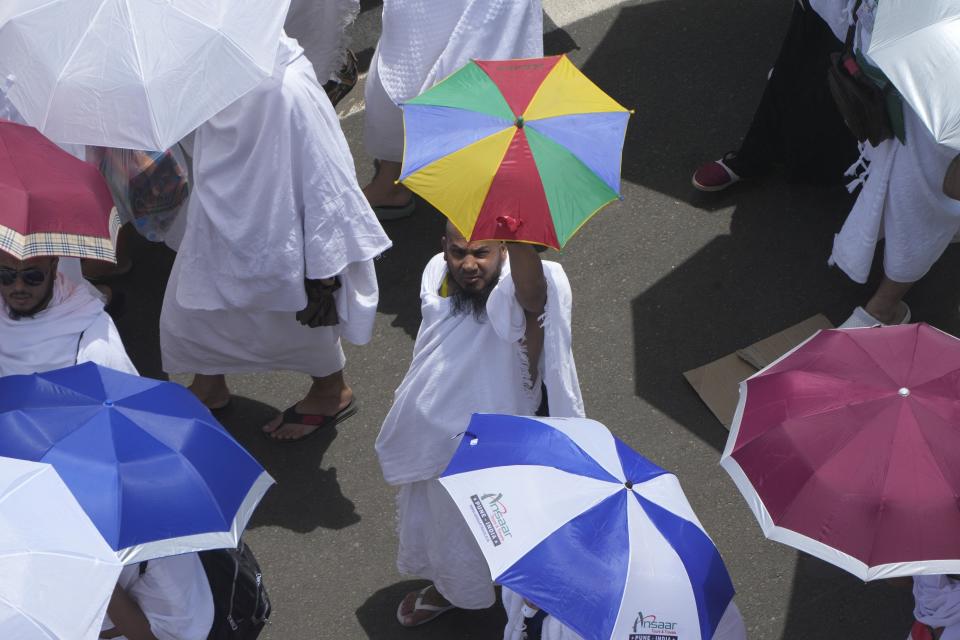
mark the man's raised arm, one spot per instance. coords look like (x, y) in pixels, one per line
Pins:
(527, 272)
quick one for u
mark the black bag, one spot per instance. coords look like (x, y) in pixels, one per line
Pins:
(951, 180)
(321, 309)
(240, 602)
(241, 606)
(860, 101)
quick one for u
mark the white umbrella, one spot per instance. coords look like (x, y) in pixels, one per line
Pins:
(137, 74)
(58, 572)
(917, 46)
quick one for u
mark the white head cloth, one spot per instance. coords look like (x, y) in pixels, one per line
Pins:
(937, 600)
(73, 328)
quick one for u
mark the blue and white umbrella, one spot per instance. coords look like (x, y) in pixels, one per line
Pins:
(58, 572)
(154, 471)
(595, 534)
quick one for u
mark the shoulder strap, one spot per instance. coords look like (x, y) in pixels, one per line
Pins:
(852, 29)
(76, 360)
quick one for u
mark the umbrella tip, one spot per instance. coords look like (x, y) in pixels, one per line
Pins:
(904, 392)
(628, 485)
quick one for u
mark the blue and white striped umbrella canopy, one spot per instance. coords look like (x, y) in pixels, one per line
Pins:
(595, 534)
(151, 467)
(58, 572)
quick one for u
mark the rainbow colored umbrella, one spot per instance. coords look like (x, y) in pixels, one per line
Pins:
(523, 150)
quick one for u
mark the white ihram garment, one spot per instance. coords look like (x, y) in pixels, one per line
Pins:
(73, 328)
(902, 199)
(174, 594)
(730, 627)
(275, 201)
(461, 366)
(319, 25)
(424, 41)
(937, 604)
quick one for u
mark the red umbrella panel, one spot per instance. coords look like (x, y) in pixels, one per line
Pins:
(848, 448)
(51, 203)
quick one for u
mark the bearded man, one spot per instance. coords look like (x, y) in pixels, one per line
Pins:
(496, 327)
(50, 321)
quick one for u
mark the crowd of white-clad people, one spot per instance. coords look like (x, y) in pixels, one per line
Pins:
(275, 267)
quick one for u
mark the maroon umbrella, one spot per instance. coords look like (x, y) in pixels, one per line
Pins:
(848, 448)
(51, 204)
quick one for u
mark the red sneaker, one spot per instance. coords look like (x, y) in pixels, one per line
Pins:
(715, 176)
(920, 631)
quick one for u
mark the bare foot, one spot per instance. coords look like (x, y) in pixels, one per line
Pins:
(212, 391)
(409, 617)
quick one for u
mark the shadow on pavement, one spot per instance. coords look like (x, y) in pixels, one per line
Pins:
(415, 240)
(693, 71)
(378, 617)
(307, 496)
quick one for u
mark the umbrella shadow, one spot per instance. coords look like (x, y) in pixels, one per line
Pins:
(307, 496)
(378, 618)
(415, 241)
(830, 603)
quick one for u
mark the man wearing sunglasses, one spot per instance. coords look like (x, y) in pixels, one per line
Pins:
(49, 321)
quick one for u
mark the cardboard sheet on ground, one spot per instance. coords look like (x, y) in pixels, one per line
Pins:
(718, 383)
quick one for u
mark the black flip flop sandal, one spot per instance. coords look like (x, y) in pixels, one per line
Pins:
(292, 416)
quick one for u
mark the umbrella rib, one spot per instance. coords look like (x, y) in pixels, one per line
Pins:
(882, 499)
(870, 356)
(73, 54)
(908, 34)
(143, 79)
(813, 472)
(22, 482)
(40, 627)
(226, 37)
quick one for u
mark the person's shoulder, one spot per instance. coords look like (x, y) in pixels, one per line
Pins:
(436, 267)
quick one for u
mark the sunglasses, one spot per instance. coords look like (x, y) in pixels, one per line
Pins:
(32, 277)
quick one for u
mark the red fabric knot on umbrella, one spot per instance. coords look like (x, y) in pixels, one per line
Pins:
(512, 224)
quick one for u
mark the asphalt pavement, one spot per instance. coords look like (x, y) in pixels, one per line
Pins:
(664, 281)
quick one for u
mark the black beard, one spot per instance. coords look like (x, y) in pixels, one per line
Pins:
(37, 308)
(474, 302)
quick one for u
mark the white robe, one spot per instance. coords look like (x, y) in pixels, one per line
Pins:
(73, 329)
(901, 200)
(730, 627)
(319, 26)
(435, 401)
(275, 201)
(937, 604)
(173, 594)
(424, 41)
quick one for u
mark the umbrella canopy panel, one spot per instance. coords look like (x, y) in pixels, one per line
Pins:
(58, 572)
(137, 74)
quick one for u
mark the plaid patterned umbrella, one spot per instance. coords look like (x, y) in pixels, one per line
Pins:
(51, 204)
